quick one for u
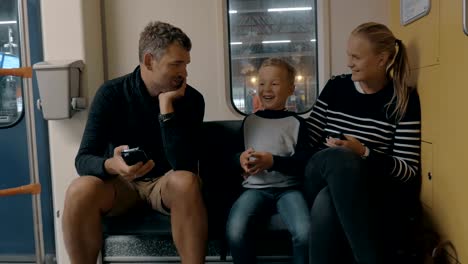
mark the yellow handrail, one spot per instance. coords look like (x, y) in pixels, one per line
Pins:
(25, 72)
(33, 188)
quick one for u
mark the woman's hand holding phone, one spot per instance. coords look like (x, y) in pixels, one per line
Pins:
(348, 142)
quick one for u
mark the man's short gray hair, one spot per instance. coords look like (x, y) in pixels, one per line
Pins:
(157, 36)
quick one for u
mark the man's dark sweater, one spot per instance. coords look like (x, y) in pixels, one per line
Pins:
(124, 113)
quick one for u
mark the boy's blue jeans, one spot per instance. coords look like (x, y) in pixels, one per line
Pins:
(252, 211)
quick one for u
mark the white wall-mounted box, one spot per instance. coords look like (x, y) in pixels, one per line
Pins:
(59, 87)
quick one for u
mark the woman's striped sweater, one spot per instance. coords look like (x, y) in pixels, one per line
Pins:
(394, 145)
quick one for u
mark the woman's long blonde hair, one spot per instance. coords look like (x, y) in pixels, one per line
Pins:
(383, 40)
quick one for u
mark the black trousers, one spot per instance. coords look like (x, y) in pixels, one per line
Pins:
(356, 212)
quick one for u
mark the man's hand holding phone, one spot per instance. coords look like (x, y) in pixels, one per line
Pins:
(117, 165)
(133, 156)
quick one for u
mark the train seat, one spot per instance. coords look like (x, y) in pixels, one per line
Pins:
(145, 236)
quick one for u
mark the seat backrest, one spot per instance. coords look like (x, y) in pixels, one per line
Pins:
(220, 141)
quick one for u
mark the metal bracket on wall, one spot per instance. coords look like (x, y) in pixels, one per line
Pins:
(465, 16)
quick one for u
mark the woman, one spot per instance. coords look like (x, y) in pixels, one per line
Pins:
(374, 167)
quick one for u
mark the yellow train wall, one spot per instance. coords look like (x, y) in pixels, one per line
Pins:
(438, 52)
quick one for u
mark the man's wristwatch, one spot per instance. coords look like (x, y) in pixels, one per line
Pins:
(366, 153)
(166, 117)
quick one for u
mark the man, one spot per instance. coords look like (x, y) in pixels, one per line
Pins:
(153, 109)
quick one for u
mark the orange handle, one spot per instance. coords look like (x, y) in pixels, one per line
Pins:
(33, 188)
(25, 72)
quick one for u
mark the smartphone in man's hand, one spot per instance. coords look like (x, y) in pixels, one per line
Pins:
(133, 156)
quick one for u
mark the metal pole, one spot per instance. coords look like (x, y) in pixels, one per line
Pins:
(31, 130)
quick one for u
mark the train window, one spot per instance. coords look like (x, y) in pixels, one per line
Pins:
(11, 99)
(272, 28)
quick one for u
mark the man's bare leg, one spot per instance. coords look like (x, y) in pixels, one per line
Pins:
(85, 201)
(183, 196)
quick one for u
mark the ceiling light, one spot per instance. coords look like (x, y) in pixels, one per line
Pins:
(236, 43)
(276, 41)
(290, 9)
(313, 40)
(232, 11)
(8, 22)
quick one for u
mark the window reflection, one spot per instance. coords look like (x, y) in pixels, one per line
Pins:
(272, 28)
(11, 99)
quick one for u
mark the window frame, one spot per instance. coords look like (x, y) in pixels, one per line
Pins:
(20, 80)
(322, 52)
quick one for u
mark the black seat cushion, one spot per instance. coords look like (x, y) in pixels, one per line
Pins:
(138, 222)
(221, 186)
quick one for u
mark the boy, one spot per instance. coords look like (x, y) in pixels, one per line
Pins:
(272, 167)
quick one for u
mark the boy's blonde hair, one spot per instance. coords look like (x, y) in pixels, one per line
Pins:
(291, 71)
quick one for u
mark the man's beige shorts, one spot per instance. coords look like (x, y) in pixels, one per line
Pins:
(133, 194)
